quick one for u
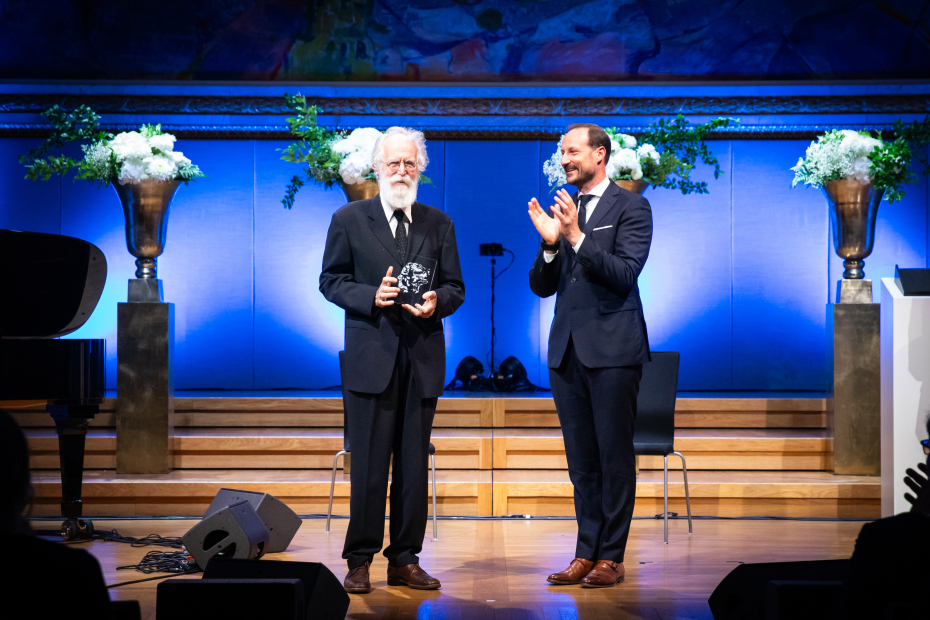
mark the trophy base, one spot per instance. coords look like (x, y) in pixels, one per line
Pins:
(146, 291)
(854, 292)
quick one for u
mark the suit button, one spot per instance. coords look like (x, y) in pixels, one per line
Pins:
(573, 280)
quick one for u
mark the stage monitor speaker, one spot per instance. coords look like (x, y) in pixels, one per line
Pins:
(281, 521)
(324, 596)
(742, 593)
(235, 531)
(230, 599)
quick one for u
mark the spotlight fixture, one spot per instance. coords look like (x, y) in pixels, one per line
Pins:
(511, 376)
(469, 376)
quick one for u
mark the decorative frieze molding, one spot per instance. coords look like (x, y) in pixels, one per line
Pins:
(280, 132)
(479, 106)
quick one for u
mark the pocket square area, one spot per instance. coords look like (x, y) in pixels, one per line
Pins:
(602, 227)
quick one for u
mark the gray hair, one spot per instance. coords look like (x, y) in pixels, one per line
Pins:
(418, 139)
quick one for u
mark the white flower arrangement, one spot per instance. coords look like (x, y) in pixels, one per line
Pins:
(855, 155)
(628, 162)
(357, 150)
(127, 158)
(838, 154)
(133, 157)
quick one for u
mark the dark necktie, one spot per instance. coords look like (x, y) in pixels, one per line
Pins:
(583, 201)
(400, 235)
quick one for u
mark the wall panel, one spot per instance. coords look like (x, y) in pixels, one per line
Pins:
(491, 208)
(33, 206)
(779, 271)
(298, 334)
(207, 267)
(686, 283)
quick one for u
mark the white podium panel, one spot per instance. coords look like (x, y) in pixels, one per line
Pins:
(905, 352)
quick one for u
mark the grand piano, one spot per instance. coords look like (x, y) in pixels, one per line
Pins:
(49, 286)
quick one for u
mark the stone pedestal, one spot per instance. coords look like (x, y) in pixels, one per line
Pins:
(145, 388)
(905, 390)
(854, 393)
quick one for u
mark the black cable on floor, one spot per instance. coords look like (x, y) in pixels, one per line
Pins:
(126, 583)
(174, 562)
(179, 562)
(152, 540)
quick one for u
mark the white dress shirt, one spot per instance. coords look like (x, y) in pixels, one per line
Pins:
(392, 221)
(596, 192)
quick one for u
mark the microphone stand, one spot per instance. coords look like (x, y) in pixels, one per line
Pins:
(493, 330)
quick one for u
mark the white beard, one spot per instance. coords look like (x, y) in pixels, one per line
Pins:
(398, 196)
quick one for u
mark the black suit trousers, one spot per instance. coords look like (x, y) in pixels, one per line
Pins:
(397, 422)
(597, 408)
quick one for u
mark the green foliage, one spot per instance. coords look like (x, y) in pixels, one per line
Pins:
(685, 142)
(889, 168)
(67, 127)
(917, 136)
(314, 149)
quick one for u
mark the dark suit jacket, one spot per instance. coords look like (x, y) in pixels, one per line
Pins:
(598, 303)
(359, 249)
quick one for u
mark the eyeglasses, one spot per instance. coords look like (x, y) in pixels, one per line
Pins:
(926, 444)
(394, 166)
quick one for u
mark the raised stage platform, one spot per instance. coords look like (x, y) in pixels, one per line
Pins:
(749, 455)
(496, 570)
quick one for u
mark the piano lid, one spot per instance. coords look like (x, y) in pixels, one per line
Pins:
(49, 284)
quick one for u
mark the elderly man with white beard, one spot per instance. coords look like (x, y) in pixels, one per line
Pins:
(394, 363)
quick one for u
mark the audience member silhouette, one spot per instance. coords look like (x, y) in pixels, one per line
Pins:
(43, 579)
(888, 575)
(889, 571)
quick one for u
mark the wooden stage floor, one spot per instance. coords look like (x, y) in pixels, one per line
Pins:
(497, 569)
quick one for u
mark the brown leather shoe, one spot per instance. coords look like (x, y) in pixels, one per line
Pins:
(573, 574)
(411, 576)
(605, 574)
(357, 581)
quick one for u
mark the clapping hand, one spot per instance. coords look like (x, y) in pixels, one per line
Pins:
(921, 486)
(567, 214)
(547, 227)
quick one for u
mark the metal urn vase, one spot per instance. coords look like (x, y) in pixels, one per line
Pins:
(145, 207)
(853, 335)
(637, 187)
(853, 208)
(363, 191)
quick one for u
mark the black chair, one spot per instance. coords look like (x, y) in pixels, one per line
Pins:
(346, 449)
(654, 431)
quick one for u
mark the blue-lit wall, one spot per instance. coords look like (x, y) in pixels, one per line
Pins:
(737, 280)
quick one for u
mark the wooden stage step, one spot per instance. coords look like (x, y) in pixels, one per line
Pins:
(704, 449)
(456, 411)
(264, 448)
(189, 492)
(503, 455)
(259, 448)
(727, 494)
(476, 492)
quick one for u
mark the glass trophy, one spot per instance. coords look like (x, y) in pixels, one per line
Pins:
(415, 279)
